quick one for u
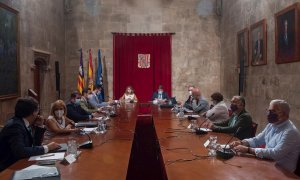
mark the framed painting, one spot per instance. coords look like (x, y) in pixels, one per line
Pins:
(9, 52)
(258, 43)
(243, 47)
(287, 35)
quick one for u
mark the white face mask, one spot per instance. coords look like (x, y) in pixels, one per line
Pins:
(160, 91)
(190, 93)
(59, 113)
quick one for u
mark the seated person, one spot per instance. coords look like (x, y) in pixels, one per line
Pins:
(240, 119)
(160, 96)
(99, 94)
(23, 134)
(57, 122)
(219, 111)
(188, 102)
(199, 104)
(84, 103)
(93, 99)
(75, 112)
(129, 95)
(280, 137)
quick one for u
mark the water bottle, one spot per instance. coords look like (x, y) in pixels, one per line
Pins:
(101, 127)
(212, 146)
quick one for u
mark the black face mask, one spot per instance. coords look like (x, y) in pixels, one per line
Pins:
(233, 107)
(272, 117)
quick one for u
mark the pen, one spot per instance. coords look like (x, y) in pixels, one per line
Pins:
(46, 155)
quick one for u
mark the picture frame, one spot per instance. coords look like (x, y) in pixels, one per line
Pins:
(9, 53)
(258, 43)
(243, 47)
(287, 35)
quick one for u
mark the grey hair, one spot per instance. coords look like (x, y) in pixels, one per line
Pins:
(282, 104)
(241, 99)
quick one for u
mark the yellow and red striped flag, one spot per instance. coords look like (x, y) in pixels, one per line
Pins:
(80, 79)
(90, 72)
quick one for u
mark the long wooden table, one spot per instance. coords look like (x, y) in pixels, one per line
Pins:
(183, 153)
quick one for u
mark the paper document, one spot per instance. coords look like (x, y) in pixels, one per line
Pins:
(35, 171)
(205, 129)
(224, 146)
(48, 156)
(192, 115)
(88, 130)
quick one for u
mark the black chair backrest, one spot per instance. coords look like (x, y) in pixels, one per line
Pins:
(297, 171)
(254, 128)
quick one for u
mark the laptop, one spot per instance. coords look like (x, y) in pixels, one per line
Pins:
(86, 124)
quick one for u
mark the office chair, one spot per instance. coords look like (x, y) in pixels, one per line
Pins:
(254, 128)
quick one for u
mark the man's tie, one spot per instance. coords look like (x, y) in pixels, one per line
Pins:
(30, 130)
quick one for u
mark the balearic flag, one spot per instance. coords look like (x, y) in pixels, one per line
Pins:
(80, 79)
(99, 75)
(90, 72)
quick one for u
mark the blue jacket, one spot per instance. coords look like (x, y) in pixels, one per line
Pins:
(164, 95)
(16, 142)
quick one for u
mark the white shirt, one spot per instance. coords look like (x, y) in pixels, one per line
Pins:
(129, 97)
(282, 144)
(218, 113)
(60, 123)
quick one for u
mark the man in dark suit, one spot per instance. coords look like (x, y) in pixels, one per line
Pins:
(258, 49)
(189, 102)
(160, 96)
(23, 134)
(286, 40)
(75, 112)
(240, 119)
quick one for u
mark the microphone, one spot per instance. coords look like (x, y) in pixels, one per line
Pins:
(198, 130)
(238, 130)
(227, 153)
(87, 144)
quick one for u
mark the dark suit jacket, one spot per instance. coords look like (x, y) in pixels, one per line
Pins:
(188, 103)
(76, 113)
(244, 121)
(164, 95)
(16, 142)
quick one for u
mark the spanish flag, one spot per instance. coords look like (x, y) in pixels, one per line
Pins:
(90, 72)
(80, 80)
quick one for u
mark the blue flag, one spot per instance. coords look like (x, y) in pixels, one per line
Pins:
(99, 77)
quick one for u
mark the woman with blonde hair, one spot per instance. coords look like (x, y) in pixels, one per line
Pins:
(57, 122)
(129, 95)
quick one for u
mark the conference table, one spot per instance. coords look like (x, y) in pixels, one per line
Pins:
(154, 145)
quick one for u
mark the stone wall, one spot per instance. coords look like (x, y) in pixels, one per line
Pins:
(196, 53)
(263, 83)
(41, 28)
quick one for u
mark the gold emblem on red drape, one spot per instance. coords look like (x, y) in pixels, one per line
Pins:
(143, 60)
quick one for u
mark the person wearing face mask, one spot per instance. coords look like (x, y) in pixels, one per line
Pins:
(280, 137)
(23, 134)
(219, 111)
(94, 100)
(160, 97)
(57, 122)
(188, 102)
(129, 96)
(239, 119)
(199, 103)
(74, 110)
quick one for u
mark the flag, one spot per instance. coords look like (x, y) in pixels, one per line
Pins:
(80, 79)
(90, 72)
(99, 76)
